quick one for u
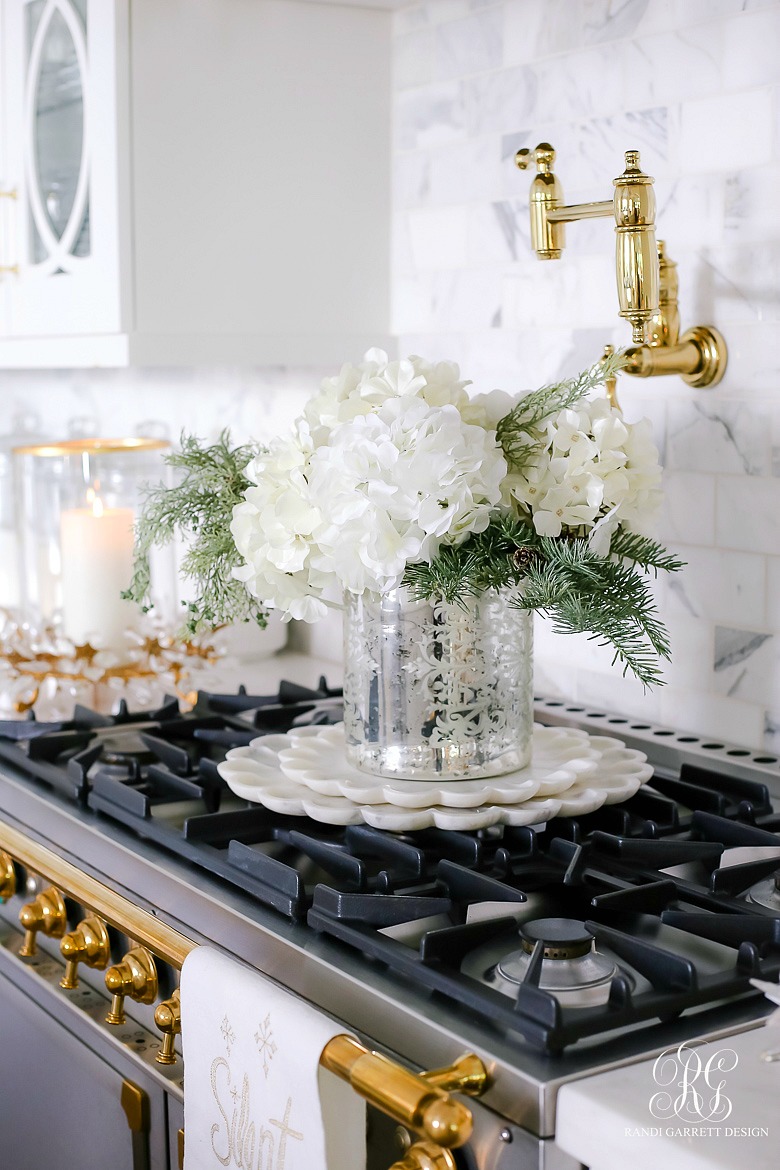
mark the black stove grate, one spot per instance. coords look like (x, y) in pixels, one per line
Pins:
(643, 876)
(651, 925)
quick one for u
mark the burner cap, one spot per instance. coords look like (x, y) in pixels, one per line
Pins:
(563, 938)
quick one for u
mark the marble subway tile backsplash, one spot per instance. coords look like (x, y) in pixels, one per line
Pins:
(695, 86)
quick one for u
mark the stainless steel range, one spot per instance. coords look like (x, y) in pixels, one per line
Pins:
(552, 953)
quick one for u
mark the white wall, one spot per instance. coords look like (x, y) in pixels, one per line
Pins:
(694, 85)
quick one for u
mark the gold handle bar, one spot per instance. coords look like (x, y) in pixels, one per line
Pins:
(409, 1099)
(164, 941)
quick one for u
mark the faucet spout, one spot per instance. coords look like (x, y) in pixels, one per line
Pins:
(699, 358)
(646, 276)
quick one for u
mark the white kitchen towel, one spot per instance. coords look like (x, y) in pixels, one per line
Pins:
(252, 1076)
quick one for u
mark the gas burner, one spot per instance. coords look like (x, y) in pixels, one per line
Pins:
(767, 892)
(571, 968)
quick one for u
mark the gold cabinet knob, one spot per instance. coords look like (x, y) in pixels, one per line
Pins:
(47, 914)
(135, 976)
(7, 877)
(426, 1156)
(89, 944)
(167, 1017)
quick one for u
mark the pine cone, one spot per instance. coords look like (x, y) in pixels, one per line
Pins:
(522, 559)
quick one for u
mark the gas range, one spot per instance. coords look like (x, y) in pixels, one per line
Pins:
(553, 952)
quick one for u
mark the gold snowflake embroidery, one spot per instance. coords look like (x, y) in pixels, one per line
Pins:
(266, 1045)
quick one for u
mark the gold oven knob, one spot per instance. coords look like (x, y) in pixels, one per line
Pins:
(88, 944)
(167, 1017)
(426, 1156)
(7, 877)
(135, 976)
(47, 914)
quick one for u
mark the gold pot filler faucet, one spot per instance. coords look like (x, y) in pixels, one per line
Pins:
(646, 277)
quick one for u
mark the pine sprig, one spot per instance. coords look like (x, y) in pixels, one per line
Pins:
(648, 554)
(608, 599)
(519, 431)
(487, 560)
(211, 481)
(581, 592)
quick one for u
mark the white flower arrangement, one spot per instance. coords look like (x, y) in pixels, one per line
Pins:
(394, 475)
(388, 463)
(592, 471)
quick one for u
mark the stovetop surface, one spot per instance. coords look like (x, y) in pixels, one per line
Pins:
(428, 941)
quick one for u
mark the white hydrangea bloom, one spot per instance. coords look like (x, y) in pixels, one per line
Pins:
(384, 467)
(592, 472)
(391, 460)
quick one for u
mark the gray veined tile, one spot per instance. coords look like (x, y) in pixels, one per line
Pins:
(502, 100)
(719, 437)
(429, 116)
(608, 20)
(466, 172)
(469, 46)
(772, 732)
(676, 590)
(735, 646)
(511, 217)
(747, 667)
(673, 66)
(748, 513)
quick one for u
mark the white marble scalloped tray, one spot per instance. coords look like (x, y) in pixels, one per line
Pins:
(306, 773)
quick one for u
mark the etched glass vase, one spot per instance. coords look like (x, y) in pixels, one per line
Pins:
(434, 690)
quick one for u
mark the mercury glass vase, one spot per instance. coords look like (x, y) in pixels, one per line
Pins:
(434, 690)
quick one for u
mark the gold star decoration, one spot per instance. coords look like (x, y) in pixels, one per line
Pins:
(34, 659)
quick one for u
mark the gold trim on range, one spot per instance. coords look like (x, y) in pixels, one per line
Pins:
(91, 447)
(419, 1101)
(117, 911)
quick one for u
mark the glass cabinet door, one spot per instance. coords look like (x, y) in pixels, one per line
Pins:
(57, 163)
(61, 85)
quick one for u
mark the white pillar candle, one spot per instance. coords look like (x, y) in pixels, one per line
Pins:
(97, 563)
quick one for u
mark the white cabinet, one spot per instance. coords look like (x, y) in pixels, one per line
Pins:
(61, 155)
(195, 182)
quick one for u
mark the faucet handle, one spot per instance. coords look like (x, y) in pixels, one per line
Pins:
(543, 155)
(610, 383)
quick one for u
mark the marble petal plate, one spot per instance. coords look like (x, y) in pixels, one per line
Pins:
(319, 762)
(607, 772)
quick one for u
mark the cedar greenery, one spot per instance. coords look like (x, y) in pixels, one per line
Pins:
(519, 431)
(580, 591)
(607, 597)
(211, 481)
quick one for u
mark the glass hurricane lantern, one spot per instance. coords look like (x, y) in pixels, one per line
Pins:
(78, 500)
